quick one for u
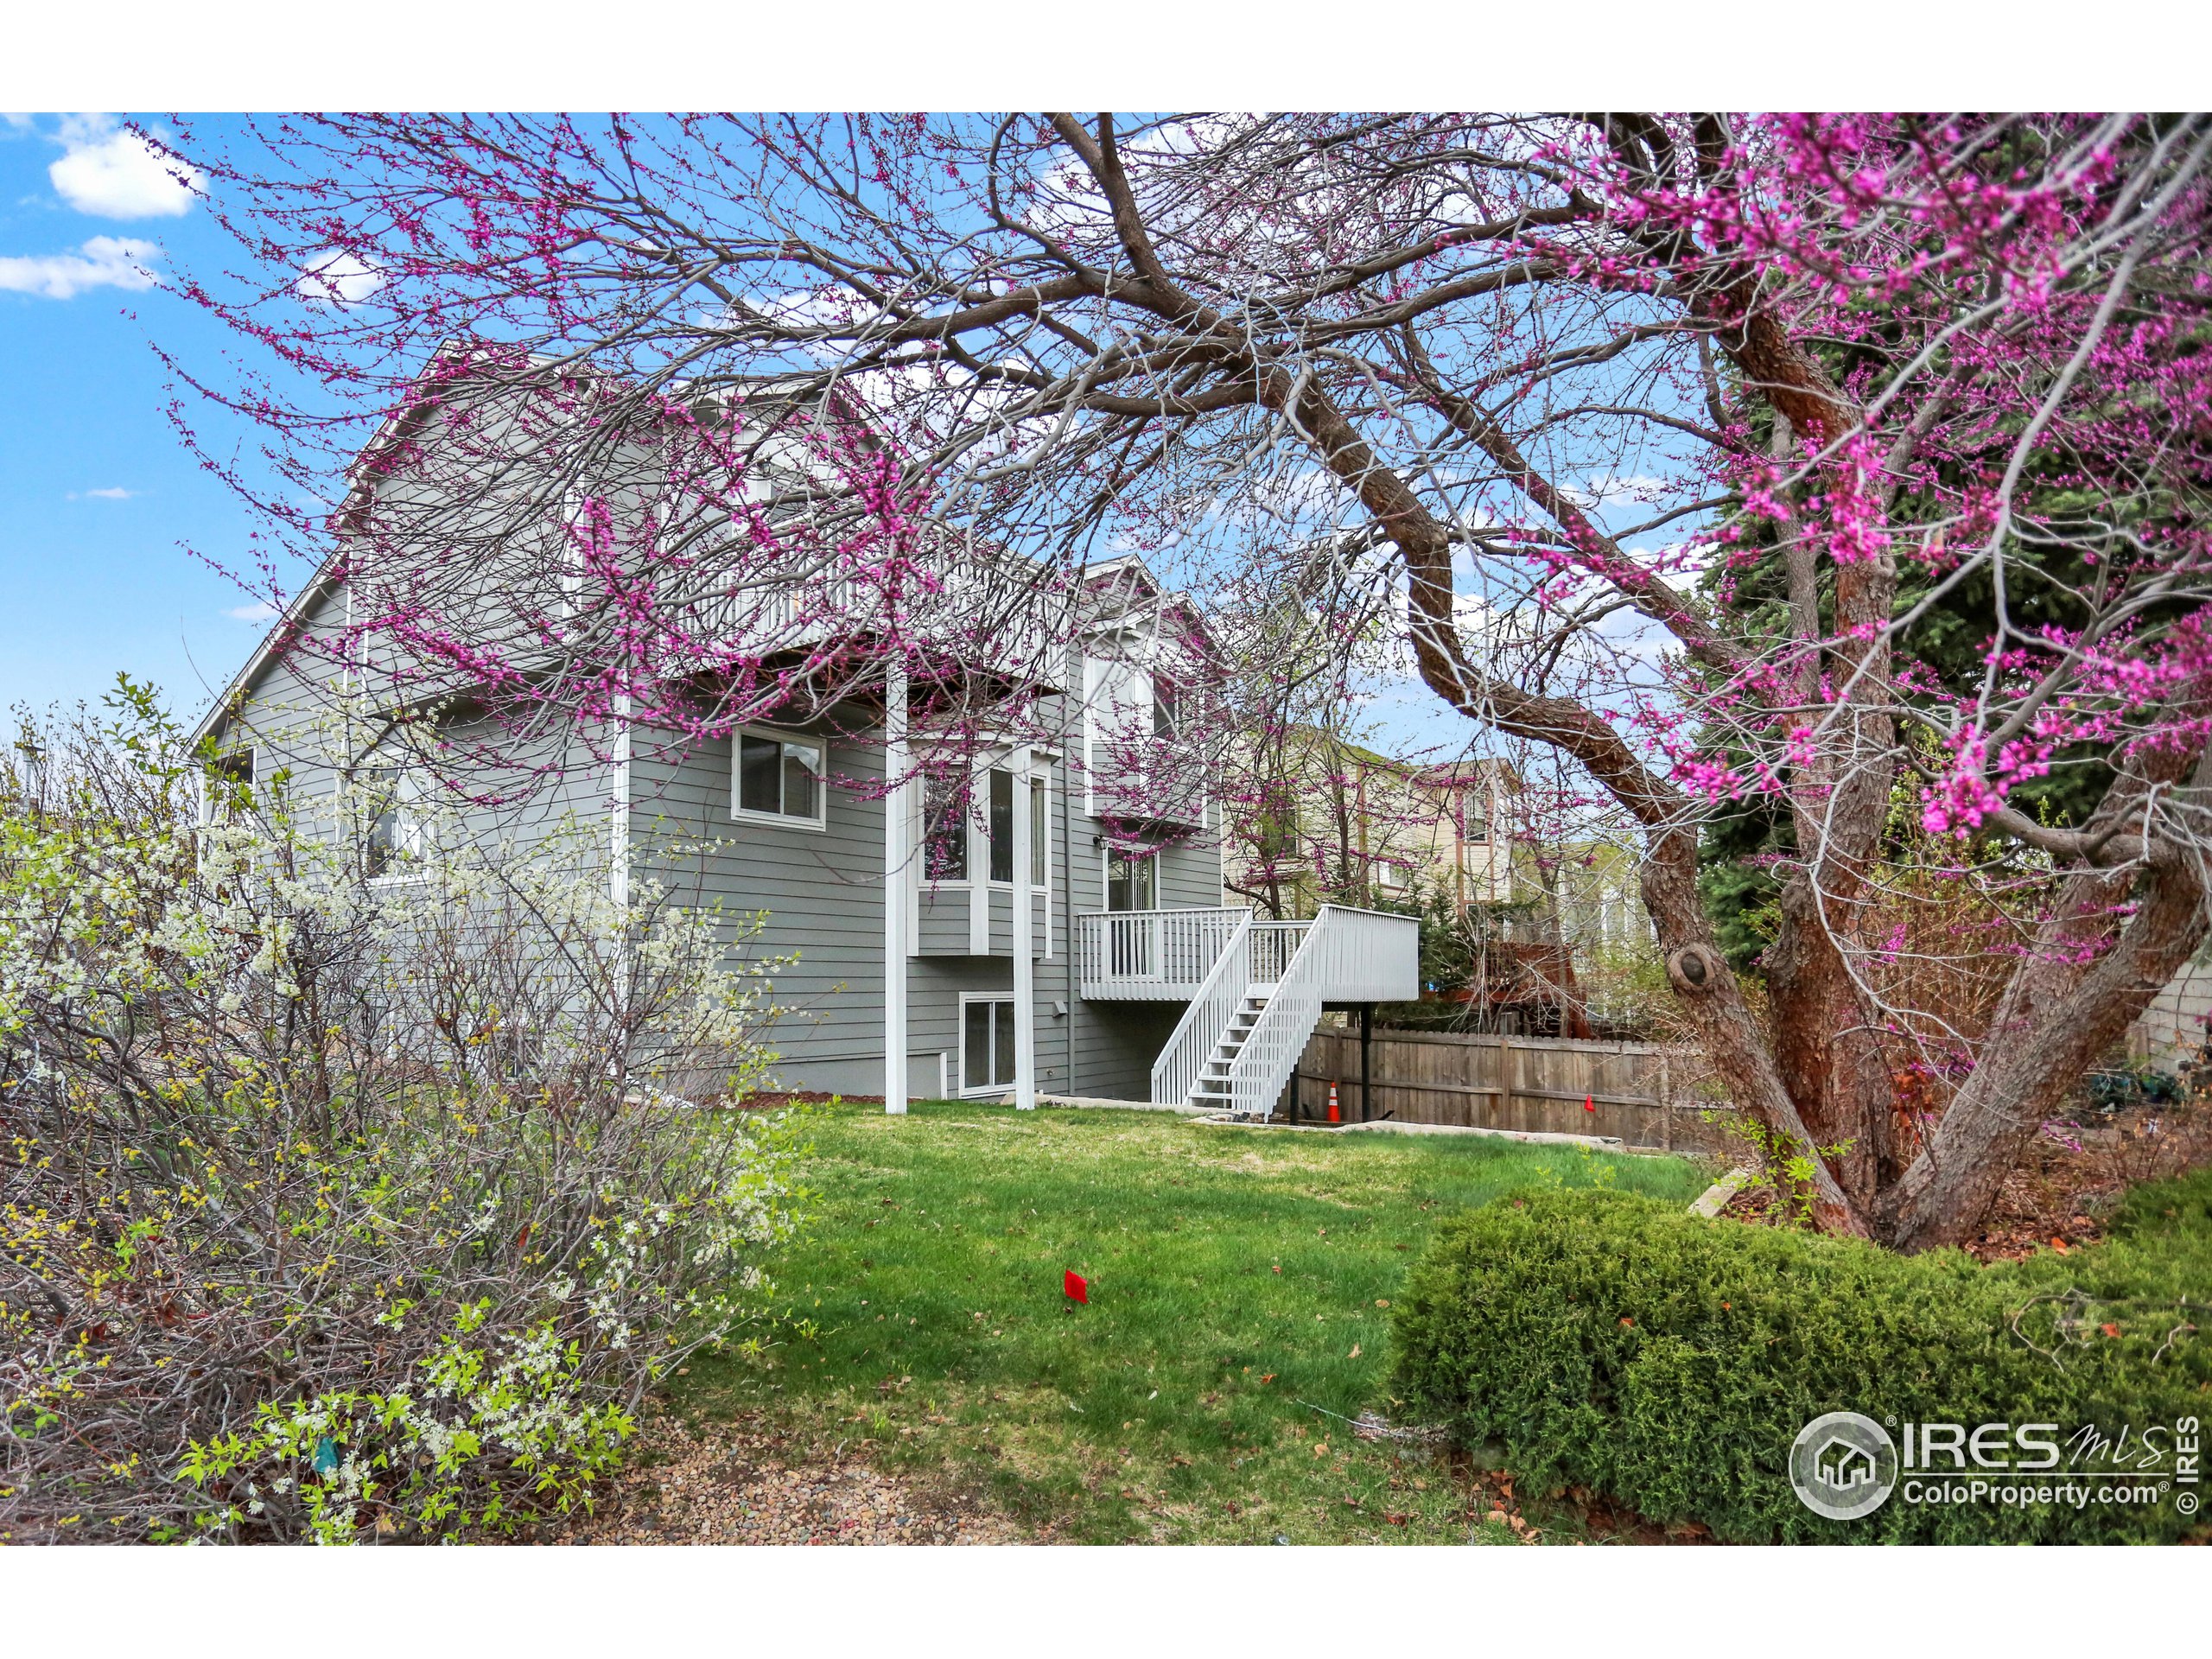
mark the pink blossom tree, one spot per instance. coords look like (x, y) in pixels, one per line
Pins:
(1528, 395)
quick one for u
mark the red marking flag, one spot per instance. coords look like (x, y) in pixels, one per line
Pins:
(1078, 1287)
(1589, 1103)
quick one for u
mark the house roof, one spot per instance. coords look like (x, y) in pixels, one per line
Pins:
(1127, 574)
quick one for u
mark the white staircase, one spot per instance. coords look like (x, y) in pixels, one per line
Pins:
(1248, 1023)
(1216, 1084)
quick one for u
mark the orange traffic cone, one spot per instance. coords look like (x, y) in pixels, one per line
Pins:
(1335, 1116)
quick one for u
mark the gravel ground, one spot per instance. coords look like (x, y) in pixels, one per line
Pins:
(740, 1483)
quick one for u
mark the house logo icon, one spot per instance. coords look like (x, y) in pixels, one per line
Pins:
(1843, 1465)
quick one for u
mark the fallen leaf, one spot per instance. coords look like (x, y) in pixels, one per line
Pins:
(1355, 1352)
(1626, 1320)
(1270, 1377)
(1382, 1301)
(2058, 1244)
(2110, 1329)
(1278, 1267)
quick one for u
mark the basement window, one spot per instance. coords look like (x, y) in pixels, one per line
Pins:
(986, 1043)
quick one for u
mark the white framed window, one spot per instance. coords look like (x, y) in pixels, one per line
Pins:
(986, 1042)
(1132, 880)
(1474, 815)
(387, 816)
(998, 824)
(777, 778)
(944, 830)
(1040, 835)
(1165, 721)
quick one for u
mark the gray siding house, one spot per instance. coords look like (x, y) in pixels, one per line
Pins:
(1047, 939)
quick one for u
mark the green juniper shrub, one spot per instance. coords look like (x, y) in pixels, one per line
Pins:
(1612, 1342)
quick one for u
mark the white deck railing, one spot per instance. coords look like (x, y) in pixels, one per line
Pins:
(1274, 944)
(1346, 955)
(1150, 954)
(1175, 1073)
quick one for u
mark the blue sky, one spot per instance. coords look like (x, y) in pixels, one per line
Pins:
(101, 506)
(98, 500)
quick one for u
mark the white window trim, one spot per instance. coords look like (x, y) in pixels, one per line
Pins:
(918, 842)
(979, 830)
(960, 1047)
(1106, 881)
(738, 814)
(406, 792)
(1044, 775)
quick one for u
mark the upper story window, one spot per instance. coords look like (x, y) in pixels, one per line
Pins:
(779, 777)
(1131, 881)
(388, 820)
(1000, 822)
(950, 816)
(1039, 833)
(944, 830)
(1004, 853)
(1474, 809)
(1164, 716)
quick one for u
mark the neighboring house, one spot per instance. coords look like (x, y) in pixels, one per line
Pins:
(2172, 1030)
(1321, 816)
(1136, 984)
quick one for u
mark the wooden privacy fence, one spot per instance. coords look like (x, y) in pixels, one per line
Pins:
(1638, 1092)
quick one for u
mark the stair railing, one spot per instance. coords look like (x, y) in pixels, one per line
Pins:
(1347, 956)
(1175, 1073)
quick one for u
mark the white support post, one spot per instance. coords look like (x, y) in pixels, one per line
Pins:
(894, 887)
(1025, 991)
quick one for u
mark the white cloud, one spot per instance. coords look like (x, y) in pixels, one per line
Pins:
(104, 262)
(115, 494)
(336, 277)
(112, 173)
(260, 611)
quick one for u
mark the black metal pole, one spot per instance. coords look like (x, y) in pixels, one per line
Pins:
(1366, 1059)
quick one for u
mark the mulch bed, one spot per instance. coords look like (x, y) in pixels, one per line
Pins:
(2055, 1198)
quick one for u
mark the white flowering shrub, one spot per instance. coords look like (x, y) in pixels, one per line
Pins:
(342, 1210)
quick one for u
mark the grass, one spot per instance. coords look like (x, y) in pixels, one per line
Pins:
(1240, 1284)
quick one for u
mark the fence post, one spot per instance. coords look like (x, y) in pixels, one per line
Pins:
(1666, 1103)
(1508, 1081)
(1366, 1063)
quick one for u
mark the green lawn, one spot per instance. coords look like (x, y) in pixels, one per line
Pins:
(1237, 1279)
